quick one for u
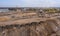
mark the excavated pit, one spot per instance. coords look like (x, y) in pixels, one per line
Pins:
(42, 28)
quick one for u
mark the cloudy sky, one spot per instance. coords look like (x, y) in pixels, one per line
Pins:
(29, 3)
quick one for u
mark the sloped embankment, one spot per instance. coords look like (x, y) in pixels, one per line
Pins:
(42, 28)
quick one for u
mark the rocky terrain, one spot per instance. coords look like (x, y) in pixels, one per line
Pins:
(29, 24)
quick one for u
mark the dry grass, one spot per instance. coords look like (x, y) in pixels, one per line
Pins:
(5, 18)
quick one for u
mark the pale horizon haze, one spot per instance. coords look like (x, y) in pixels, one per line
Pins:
(29, 3)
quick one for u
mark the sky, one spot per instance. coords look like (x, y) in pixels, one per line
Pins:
(29, 3)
